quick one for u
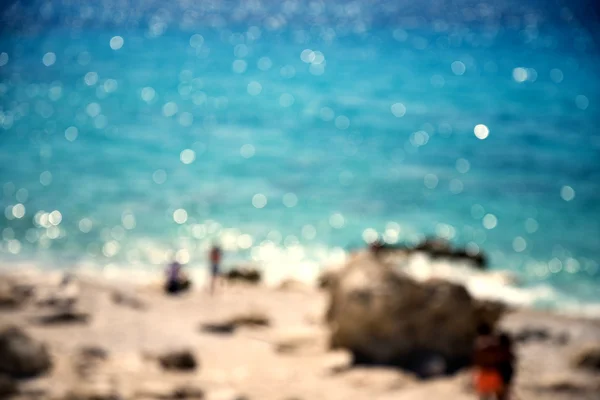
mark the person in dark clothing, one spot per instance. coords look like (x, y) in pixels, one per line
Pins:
(215, 267)
(506, 364)
(487, 379)
(176, 280)
(494, 361)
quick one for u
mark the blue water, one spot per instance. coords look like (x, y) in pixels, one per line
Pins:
(298, 104)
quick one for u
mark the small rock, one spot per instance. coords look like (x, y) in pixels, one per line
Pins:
(573, 385)
(290, 346)
(63, 316)
(299, 341)
(13, 294)
(65, 296)
(250, 319)
(244, 274)
(164, 391)
(532, 334)
(100, 390)
(88, 359)
(20, 355)
(179, 360)
(225, 328)
(188, 392)
(562, 339)
(128, 300)
(587, 357)
(229, 326)
(94, 352)
(442, 248)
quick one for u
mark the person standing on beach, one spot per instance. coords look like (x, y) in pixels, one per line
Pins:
(487, 359)
(506, 364)
(215, 267)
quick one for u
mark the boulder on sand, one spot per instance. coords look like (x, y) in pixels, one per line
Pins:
(384, 317)
(20, 355)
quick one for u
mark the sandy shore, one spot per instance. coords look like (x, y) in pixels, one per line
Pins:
(288, 359)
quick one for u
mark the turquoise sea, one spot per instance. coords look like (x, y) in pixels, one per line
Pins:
(292, 132)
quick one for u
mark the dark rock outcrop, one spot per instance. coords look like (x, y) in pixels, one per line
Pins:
(441, 248)
(244, 274)
(60, 316)
(218, 328)
(178, 360)
(384, 317)
(434, 247)
(20, 355)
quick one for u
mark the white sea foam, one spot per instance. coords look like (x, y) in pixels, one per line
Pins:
(305, 264)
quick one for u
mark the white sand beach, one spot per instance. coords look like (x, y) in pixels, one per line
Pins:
(287, 359)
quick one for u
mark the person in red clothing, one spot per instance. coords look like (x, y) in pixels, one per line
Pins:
(491, 354)
(215, 267)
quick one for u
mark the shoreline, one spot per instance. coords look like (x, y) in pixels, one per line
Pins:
(489, 284)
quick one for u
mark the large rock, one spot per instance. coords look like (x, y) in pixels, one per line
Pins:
(20, 355)
(384, 317)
